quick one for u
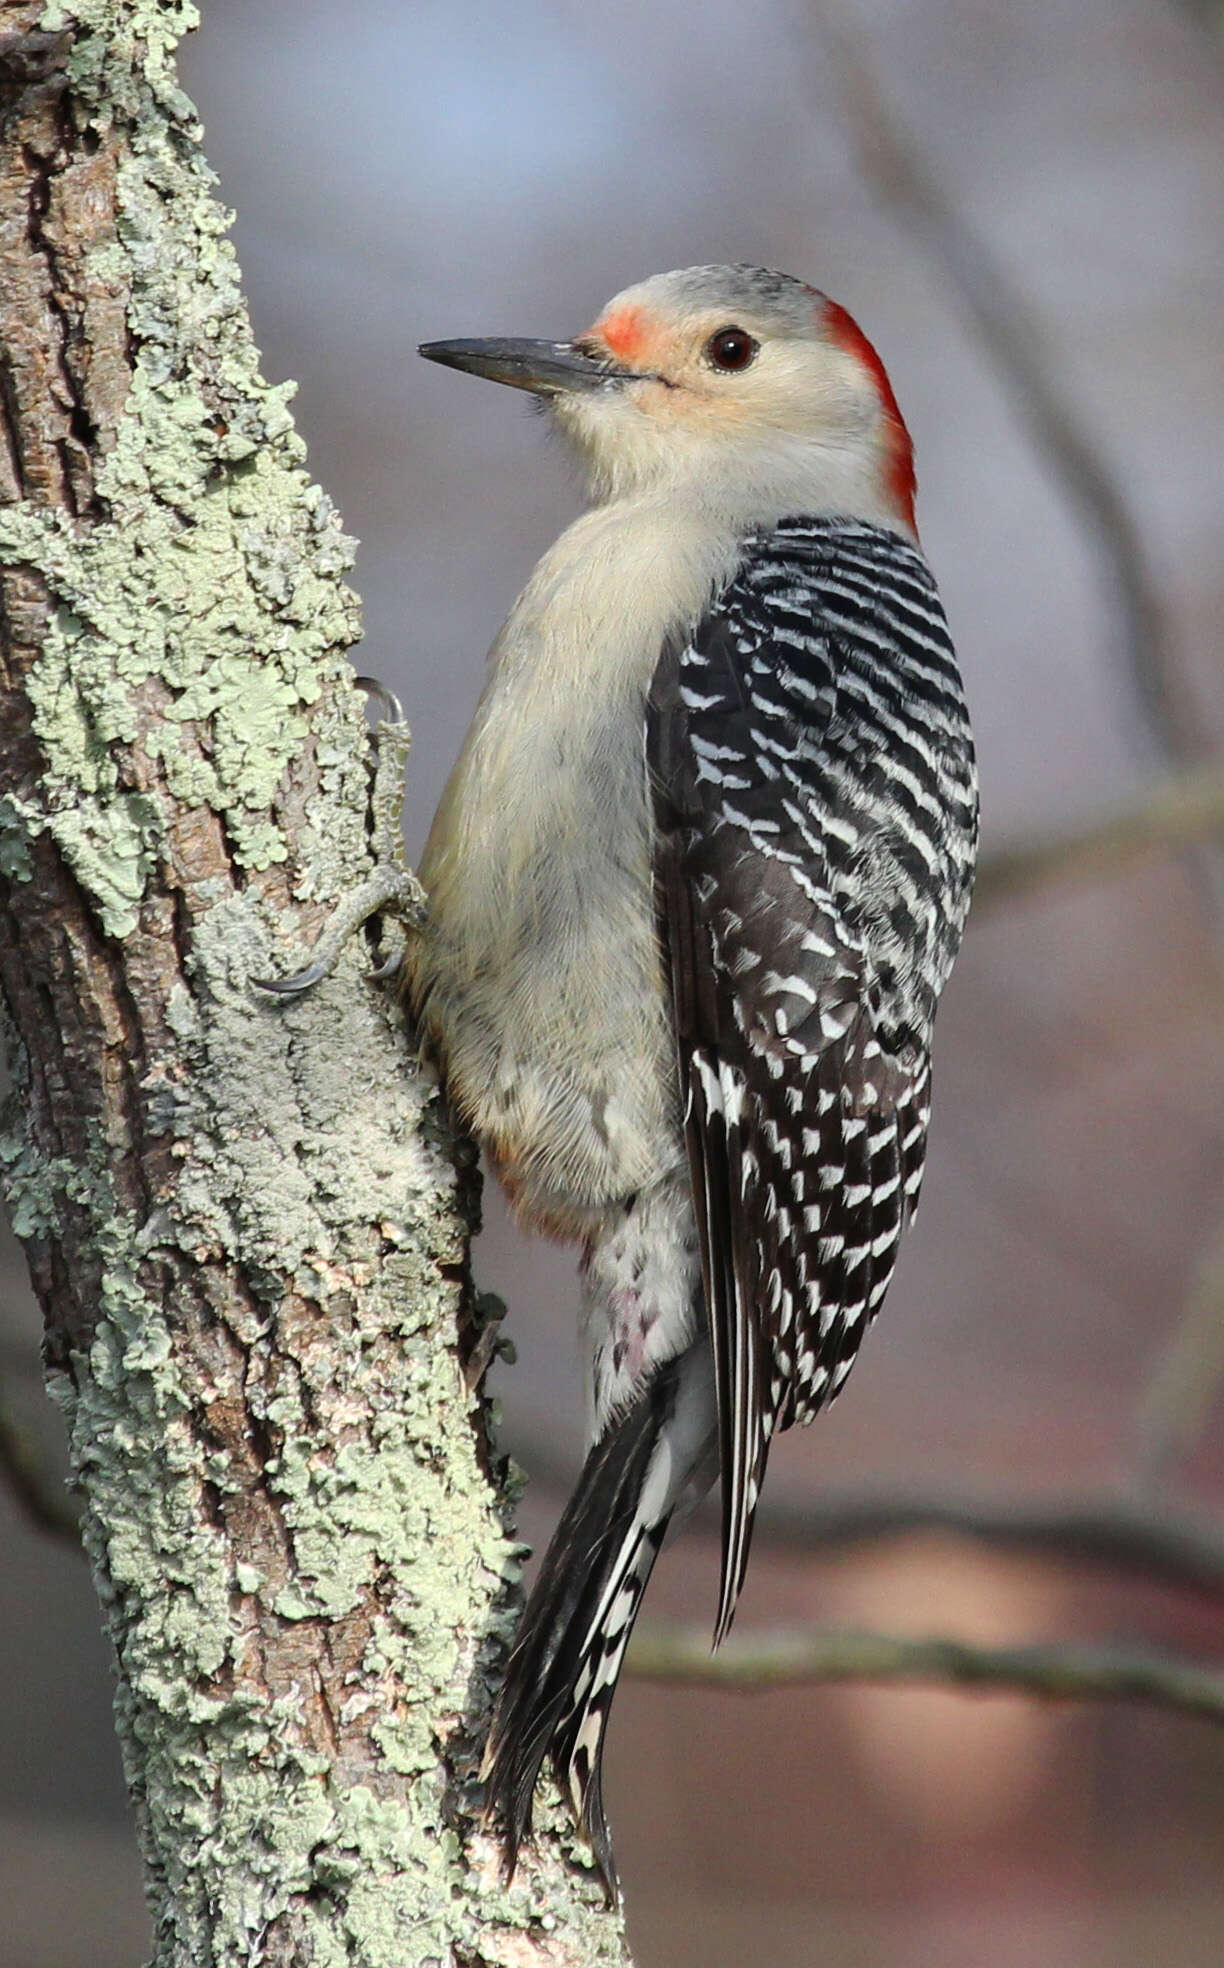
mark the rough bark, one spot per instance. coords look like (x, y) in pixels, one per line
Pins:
(245, 1222)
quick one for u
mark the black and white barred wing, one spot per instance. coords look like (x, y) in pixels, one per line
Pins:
(807, 1096)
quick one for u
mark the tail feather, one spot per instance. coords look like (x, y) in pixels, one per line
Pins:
(563, 1669)
(577, 1751)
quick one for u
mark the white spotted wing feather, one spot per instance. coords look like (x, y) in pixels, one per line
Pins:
(816, 813)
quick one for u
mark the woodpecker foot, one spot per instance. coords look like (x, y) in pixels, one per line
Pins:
(392, 890)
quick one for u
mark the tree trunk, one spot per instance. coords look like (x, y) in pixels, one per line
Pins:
(244, 1220)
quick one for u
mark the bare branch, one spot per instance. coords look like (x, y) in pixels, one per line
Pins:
(895, 172)
(1178, 812)
(759, 1662)
(1177, 1547)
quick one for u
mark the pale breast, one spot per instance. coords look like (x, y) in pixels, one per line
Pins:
(539, 972)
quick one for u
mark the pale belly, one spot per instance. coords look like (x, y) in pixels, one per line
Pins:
(539, 971)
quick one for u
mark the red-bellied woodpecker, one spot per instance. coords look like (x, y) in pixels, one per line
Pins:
(694, 888)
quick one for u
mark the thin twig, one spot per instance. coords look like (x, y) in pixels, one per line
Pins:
(1006, 327)
(757, 1662)
(1179, 812)
(1185, 1385)
(1179, 1548)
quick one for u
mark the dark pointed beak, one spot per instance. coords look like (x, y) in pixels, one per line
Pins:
(547, 368)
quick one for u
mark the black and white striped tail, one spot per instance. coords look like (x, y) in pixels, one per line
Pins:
(562, 1673)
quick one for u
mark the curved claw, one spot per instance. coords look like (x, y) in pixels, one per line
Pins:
(389, 889)
(288, 987)
(381, 694)
(387, 968)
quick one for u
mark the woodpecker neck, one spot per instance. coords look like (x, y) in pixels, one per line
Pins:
(729, 480)
(733, 496)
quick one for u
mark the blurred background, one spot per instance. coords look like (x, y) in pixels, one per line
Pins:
(1024, 207)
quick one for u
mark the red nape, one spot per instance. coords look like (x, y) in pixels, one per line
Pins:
(902, 482)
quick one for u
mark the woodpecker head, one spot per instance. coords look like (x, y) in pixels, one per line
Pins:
(739, 387)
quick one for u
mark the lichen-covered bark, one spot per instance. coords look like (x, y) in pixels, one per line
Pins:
(244, 1220)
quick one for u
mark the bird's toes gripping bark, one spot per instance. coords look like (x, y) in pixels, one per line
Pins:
(392, 890)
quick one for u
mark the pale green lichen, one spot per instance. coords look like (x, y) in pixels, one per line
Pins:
(20, 822)
(216, 580)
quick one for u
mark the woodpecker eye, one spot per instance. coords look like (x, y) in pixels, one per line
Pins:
(731, 348)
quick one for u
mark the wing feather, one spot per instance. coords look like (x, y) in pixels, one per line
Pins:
(808, 913)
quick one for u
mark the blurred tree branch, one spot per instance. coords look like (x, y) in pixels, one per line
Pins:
(1179, 812)
(1185, 1384)
(759, 1662)
(1174, 1546)
(893, 168)
(43, 1500)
